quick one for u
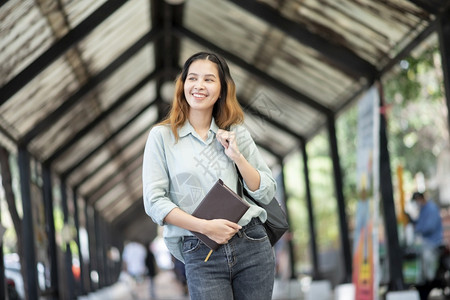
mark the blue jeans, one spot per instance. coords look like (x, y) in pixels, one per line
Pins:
(242, 269)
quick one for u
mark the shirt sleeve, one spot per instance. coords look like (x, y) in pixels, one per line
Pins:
(247, 147)
(155, 178)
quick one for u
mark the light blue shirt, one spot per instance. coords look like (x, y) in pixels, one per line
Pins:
(179, 174)
(429, 224)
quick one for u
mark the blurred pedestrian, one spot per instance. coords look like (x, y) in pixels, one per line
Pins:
(152, 270)
(180, 274)
(428, 239)
(133, 258)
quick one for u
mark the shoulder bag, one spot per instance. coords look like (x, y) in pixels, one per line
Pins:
(276, 224)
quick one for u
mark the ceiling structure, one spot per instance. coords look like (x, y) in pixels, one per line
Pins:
(82, 82)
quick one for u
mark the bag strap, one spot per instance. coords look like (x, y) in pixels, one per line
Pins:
(240, 185)
(241, 191)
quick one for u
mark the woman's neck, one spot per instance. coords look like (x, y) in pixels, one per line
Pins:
(201, 123)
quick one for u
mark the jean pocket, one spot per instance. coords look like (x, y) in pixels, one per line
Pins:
(255, 233)
(191, 245)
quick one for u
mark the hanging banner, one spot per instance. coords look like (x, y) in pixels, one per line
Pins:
(365, 240)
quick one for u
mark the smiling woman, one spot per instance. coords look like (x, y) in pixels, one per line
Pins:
(204, 125)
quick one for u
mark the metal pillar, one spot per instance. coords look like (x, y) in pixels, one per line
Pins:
(50, 229)
(444, 44)
(337, 176)
(28, 231)
(90, 233)
(77, 239)
(290, 246)
(98, 248)
(2, 265)
(388, 206)
(105, 242)
(68, 252)
(312, 227)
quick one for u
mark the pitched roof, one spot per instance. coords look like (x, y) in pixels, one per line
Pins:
(81, 82)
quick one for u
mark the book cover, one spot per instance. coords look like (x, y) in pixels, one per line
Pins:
(219, 203)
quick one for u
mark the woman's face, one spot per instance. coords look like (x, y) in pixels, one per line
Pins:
(202, 85)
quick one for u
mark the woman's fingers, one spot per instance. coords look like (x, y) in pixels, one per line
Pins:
(221, 230)
(228, 141)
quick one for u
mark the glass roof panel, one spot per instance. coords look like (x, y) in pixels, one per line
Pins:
(371, 28)
(24, 36)
(91, 106)
(78, 10)
(40, 97)
(226, 26)
(137, 130)
(93, 140)
(132, 190)
(96, 186)
(116, 34)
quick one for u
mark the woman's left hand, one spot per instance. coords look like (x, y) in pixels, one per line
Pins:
(228, 141)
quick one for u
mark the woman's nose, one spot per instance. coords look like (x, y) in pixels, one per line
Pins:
(199, 84)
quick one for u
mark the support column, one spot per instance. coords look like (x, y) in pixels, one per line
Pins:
(444, 45)
(312, 227)
(28, 230)
(105, 248)
(290, 246)
(2, 262)
(99, 249)
(68, 252)
(388, 206)
(91, 243)
(337, 176)
(50, 229)
(77, 239)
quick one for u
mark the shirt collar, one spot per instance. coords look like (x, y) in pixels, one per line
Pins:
(187, 128)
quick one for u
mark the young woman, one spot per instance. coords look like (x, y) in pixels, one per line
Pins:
(183, 158)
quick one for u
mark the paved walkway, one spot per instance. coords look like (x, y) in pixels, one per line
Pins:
(168, 288)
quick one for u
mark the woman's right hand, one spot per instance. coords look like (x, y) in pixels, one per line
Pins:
(221, 230)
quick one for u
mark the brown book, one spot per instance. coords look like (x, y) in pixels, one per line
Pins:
(219, 203)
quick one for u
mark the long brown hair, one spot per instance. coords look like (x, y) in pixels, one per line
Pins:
(226, 110)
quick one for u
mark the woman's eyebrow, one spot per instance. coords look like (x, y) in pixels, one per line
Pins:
(195, 74)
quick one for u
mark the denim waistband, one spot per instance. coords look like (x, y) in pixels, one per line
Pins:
(253, 221)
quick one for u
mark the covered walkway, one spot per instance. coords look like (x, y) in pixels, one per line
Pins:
(82, 82)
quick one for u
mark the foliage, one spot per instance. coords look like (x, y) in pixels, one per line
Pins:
(322, 194)
(417, 133)
(416, 113)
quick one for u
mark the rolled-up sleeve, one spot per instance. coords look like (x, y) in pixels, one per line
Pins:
(155, 178)
(268, 185)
